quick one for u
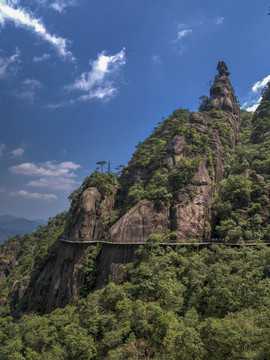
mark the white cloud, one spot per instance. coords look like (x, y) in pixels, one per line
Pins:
(253, 108)
(96, 83)
(261, 84)
(60, 5)
(219, 20)
(2, 149)
(36, 196)
(100, 67)
(57, 183)
(100, 93)
(48, 169)
(20, 17)
(17, 152)
(252, 104)
(182, 33)
(52, 175)
(43, 57)
(3, 189)
(6, 63)
(254, 97)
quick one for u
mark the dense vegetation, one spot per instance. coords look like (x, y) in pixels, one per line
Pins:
(154, 181)
(32, 252)
(105, 182)
(174, 304)
(243, 205)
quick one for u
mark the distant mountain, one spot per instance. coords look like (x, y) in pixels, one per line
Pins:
(12, 225)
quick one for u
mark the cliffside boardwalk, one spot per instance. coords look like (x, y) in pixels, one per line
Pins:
(174, 184)
(201, 244)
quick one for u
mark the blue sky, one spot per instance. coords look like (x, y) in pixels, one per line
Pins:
(85, 81)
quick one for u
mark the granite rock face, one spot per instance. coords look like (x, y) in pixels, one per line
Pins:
(191, 219)
(222, 97)
(139, 222)
(65, 281)
(174, 150)
(87, 223)
(188, 213)
(218, 165)
(223, 69)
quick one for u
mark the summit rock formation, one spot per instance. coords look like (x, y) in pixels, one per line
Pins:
(167, 188)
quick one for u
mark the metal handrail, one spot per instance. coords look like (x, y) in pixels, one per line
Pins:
(94, 241)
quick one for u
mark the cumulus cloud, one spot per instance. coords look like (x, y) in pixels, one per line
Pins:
(219, 20)
(2, 149)
(56, 176)
(261, 84)
(253, 108)
(6, 63)
(17, 152)
(251, 105)
(10, 11)
(96, 83)
(47, 169)
(254, 96)
(41, 58)
(57, 183)
(36, 196)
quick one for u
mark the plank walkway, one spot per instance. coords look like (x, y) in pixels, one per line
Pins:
(95, 241)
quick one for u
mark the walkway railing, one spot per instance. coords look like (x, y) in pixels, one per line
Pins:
(203, 243)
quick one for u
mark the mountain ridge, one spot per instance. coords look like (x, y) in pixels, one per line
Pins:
(186, 182)
(12, 225)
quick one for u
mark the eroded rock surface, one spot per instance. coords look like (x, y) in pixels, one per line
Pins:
(87, 223)
(64, 286)
(188, 213)
(139, 222)
(192, 218)
(222, 97)
(174, 150)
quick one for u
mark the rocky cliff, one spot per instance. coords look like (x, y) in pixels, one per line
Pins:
(202, 136)
(170, 188)
(167, 189)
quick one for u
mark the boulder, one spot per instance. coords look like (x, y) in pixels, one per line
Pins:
(86, 224)
(139, 222)
(222, 68)
(174, 150)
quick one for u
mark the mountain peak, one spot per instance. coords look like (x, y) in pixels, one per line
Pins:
(222, 69)
(222, 96)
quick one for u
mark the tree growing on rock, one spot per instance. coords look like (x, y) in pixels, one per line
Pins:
(101, 164)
